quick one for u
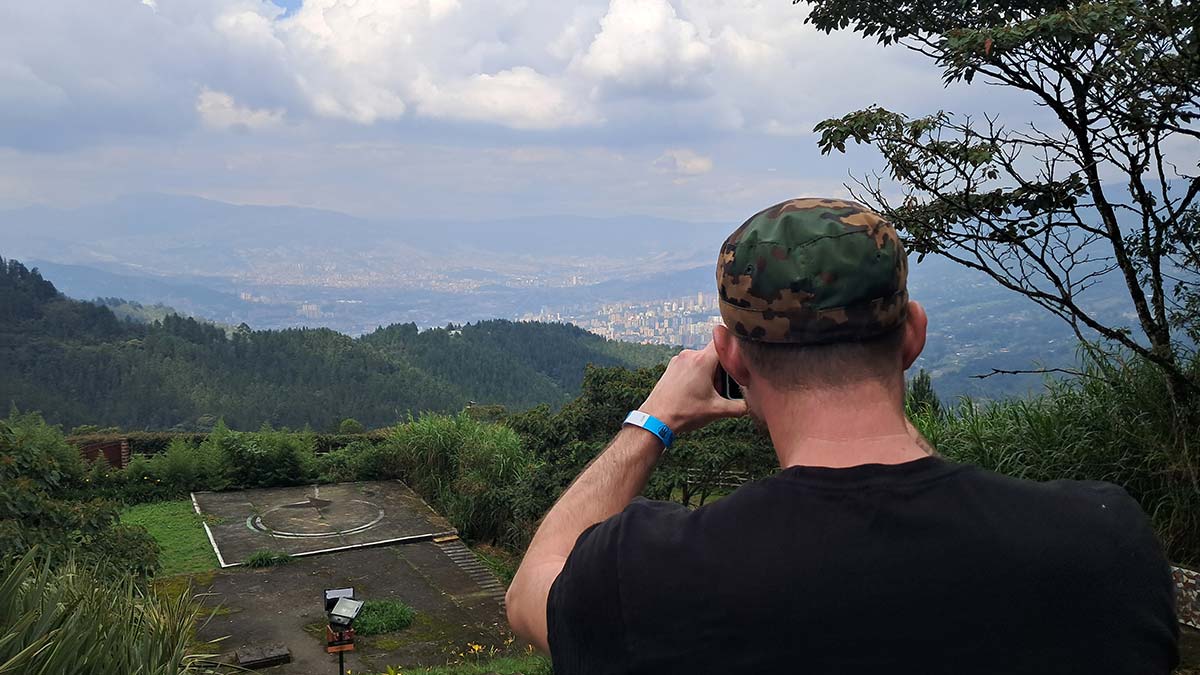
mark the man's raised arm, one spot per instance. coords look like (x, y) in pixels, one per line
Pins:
(684, 399)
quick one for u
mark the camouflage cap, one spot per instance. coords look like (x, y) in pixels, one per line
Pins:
(811, 271)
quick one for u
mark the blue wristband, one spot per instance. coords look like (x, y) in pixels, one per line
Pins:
(652, 424)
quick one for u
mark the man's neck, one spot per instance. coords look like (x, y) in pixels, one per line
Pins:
(841, 428)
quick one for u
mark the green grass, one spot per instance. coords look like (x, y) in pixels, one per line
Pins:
(502, 563)
(504, 665)
(383, 616)
(179, 533)
(267, 558)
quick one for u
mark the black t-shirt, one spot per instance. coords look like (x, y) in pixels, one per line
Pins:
(923, 567)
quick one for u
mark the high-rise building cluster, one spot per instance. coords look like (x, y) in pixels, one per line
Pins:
(685, 321)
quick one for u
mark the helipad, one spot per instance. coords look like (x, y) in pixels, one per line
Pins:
(302, 521)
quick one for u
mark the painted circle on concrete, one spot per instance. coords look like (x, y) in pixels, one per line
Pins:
(314, 519)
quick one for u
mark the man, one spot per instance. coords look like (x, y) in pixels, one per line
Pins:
(866, 553)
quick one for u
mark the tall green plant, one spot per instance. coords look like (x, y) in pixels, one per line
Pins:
(66, 620)
(1115, 423)
(266, 458)
(471, 471)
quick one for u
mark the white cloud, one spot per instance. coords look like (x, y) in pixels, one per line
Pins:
(374, 60)
(644, 47)
(218, 110)
(520, 98)
(605, 84)
(683, 162)
(639, 68)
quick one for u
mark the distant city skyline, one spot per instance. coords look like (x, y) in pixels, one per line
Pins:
(686, 321)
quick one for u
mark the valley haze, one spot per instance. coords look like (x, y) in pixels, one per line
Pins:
(631, 278)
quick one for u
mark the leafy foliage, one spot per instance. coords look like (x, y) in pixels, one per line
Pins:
(268, 458)
(470, 471)
(39, 473)
(1105, 192)
(383, 616)
(699, 465)
(920, 396)
(79, 364)
(71, 619)
(1116, 422)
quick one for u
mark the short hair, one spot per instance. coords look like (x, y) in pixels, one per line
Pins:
(831, 365)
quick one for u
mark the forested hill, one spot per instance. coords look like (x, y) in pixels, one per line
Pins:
(78, 363)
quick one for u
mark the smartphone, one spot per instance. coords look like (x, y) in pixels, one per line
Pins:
(728, 387)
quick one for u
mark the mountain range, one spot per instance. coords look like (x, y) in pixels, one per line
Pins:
(77, 363)
(283, 267)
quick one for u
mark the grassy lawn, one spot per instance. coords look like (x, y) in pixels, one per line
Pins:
(504, 665)
(179, 533)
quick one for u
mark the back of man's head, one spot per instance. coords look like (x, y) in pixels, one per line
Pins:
(816, 292)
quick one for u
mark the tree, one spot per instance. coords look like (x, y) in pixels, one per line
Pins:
(920, 396)
(351, 426)
(1108, 188)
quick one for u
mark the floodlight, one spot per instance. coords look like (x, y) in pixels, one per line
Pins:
(344, 613)
(333, 594)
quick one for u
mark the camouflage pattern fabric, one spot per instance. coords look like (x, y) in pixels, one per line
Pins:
(812, 271)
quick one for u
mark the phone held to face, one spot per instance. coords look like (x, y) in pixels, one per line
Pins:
(727, 387)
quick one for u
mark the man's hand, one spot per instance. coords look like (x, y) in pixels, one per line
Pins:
(685, 398)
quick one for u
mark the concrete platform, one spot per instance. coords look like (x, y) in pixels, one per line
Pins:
(284, 605)
(310, 520)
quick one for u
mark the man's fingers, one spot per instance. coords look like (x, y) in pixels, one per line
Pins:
(730, 407)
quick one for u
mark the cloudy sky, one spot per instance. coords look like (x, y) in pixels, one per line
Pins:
(693, 109)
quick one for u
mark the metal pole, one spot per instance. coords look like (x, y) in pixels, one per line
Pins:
(341, 663)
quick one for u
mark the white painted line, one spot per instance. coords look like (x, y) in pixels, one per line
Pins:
(371, 544)
(209, 534)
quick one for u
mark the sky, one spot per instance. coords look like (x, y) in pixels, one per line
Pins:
(691, 109)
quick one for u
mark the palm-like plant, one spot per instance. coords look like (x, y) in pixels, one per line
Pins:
(69, 619)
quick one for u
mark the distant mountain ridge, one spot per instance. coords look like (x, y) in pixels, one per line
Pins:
(280, 267)
(169, 233)
(77, 363)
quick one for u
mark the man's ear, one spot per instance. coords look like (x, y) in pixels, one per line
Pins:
(914, 334)
(729, 351)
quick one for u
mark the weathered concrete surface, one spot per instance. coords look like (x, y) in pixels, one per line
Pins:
(283, 604)
(1189, 651)
(304, 520)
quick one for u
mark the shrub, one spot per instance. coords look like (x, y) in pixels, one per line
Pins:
(491, 470)
(383, 616)
(1116, 423)
(267, 558)
(74, 620)
(185, 468)
(361, 459)
(40, 473)
(351, 426)
(470, 471)
(266, 458)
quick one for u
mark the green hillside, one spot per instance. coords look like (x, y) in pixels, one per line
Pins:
(78, 363)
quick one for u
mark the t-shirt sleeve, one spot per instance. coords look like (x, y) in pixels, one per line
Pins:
(583, 611)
